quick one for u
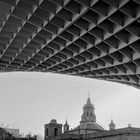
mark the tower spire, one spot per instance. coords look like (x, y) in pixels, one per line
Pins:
(66, 121)
(66, 126)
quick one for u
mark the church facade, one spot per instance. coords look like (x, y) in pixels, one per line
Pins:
(89, 129)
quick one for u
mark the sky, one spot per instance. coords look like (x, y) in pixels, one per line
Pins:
(28, 100)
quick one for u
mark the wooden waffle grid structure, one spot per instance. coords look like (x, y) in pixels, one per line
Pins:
(89, 38)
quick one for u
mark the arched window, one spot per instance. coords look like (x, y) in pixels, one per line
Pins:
(55, 131)
(47, 132)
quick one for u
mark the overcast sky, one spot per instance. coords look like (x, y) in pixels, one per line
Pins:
(29, 100)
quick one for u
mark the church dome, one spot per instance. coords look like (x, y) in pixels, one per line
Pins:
(88, 104)
(112, 123)
(88, 112)
(88, 118)
(53, 121)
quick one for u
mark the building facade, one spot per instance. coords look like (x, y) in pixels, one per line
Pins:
(89, 129)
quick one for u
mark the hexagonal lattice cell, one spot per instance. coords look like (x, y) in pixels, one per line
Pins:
(96, 39)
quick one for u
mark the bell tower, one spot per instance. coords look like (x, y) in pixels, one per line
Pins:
(52, 129)
(88, 112)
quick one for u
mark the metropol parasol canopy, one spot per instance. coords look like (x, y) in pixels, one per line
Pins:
(89, 38)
